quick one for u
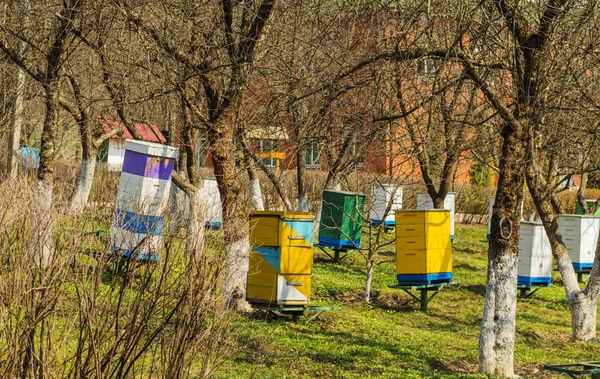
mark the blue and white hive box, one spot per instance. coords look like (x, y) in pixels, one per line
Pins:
(580, 235)
(381, 196)
(424, 201)
(535, 255)
(143, 199)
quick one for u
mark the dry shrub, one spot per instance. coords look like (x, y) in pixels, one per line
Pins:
(93, 318)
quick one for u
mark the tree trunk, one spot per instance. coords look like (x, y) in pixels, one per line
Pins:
(195, 225)
(14, 137)
(256, 195)
(235, 225)
(438, 202)
(83, 184)
(42, 218)
(497, 336)
(368, 280)
(581, 303)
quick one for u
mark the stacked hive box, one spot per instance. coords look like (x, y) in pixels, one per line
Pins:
(535, 255)
(341, 219)
(424, 201)
(142, 199)
(423, 248)
(281, 259)
(214, 212)
(580, 234)
(381, 196)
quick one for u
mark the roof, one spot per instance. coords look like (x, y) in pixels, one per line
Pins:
(149, 131)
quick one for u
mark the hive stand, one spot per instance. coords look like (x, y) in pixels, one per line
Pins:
(577, 369)
(524, 289)
(424, 297)
(581, 272)
(296, 312)
(339, 253)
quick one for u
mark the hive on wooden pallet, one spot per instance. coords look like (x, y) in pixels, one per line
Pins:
(341, 219)
(381, 196)
(423, 247)
(281, 258)
(424, 201)
(535, 255)
(142, 199)
(580, 234)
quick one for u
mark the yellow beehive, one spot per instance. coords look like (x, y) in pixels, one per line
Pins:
(423, 246)
(281, 258)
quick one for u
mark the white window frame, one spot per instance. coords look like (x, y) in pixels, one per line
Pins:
(311, 150)
(262, 147)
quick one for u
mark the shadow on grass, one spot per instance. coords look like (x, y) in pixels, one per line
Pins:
(355, 353)
(477, 289)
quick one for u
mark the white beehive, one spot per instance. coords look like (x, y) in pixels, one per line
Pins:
(535, 255)
(381, 196)
(580, 234)
(424, 201)
(214, 211)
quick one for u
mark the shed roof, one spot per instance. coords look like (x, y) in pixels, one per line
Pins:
(149, 131)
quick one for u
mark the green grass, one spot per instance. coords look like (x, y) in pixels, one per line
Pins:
(391, 338)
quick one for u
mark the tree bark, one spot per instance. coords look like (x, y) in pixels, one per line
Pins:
(14, 137)
(235, 226)
(368, 280)
(497, 336)
(83, 184)
(582, 304)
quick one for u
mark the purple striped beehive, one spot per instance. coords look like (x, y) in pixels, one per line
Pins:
(142, 199)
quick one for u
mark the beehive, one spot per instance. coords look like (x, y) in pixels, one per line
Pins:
(424, 201)
(214, 211)
(281, 258)
(381, 196)
(535, 255)
(423, 248)
(142, 199)
(341, 219)
(580, 235)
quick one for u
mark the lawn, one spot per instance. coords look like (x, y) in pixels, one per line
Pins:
(391, 338)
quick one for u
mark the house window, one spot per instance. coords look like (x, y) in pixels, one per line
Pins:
(268, 146)
(313, 156)
(359, 160)
(429, 67)
(202, 152)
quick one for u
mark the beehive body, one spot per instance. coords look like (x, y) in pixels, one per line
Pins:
(535, 255)
(341, 219)
(580, 234)
(424, 201)
(281, 258)
(142, 199)
(423, 246)
(214, 211)
(381, 196)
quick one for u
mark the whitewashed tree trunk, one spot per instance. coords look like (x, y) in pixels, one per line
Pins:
(302, 203)
(195, 225)
(42, 222)
(369, 280)
(497, 335)
(256, 195)
(83, 184)
(236, 268)
(14, 137)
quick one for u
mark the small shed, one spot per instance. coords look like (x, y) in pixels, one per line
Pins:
(116, 143)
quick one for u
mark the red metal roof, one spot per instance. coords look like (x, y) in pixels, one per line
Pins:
(149, 132)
